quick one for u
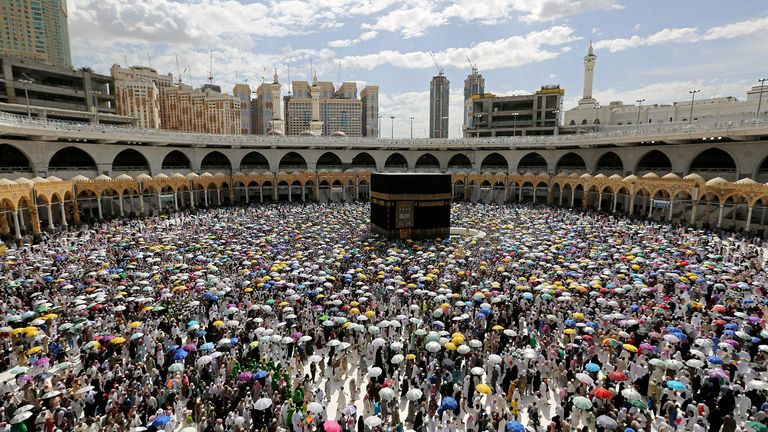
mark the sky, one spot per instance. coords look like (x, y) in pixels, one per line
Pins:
(650, 49)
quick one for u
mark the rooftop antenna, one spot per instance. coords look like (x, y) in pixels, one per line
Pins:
(210, 68)
(439, 69)
(289, 78)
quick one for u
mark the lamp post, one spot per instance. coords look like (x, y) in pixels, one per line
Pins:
(378, 130)
(639, 104)
(392, 132)
(411, 119)
(693, 97)
(514, 123)
(596, 107)
(27, 80)
(760, 97)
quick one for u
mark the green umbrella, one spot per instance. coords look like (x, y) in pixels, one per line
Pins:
(582, 402)
(657, 362)
(757, 426)
(324, 317)
(176, 367)
(270, 302)
(638, 403)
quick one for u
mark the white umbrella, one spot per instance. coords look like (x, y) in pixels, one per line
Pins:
(757, 384)
(374, 372)
(586, 379)
(333, 342)
(607, 422)
(387, 393)
(396, 346)
(463, 349)
(315, 358)
(315, 407)
(474, 343)
(414, 394)
(263, 404)
(695, 363)
(378, 342)
(204, 360)
(398, 358)
(631, 394)
(476, 371)
(373, 421)
(433, 346)
(494, 358)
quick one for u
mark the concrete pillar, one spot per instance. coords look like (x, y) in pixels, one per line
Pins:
(615, 202)
(247, 199)
(560, 199)
(534, 194)
(599, 201)
(141, 204)
(520, 195)
(21, 219)
(708, 214)
(98, 206)
(693, 213)
(645, 206)
(720, 215)
(218, 196)
(176, 201)
(261, 194)
(16, 224)
(205, 195)
(50, 216)
(304, 193)
(274, 192)
(120, 203)
(357, 191)
(733, 214)
(650, 210)
(192, 198)
(573, 197)
(749, 219)
(550, 196)
(671, 207)
(159, 202)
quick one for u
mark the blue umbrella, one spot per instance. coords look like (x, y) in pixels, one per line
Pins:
(449, 403)
(180, 355)
(172, 348)
(732, 326)
(715, 360)
(676, 385)
(207, 346)
(513, 426)
(193, 322)
(260, 374)
(591, 367)
(161, 421)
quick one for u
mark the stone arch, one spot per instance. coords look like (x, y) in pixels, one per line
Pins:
(292, 161)
(176, 160)
(215, 161)
(72, 158)
(364, 160)
(714, 162)
(570, 162)
(396, 161)
(494, 162)
(460, 161)
(427, 161)
(654, 161)
(329, 161)
(532, 162)
(609, 163)
(130, 160)
(254, 161)
(13, 159)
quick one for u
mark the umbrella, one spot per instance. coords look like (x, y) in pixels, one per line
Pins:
(315, 407)
(160, 421)
(602, 393)
(51, 394)
(757, 426)
(478, 371)
(204, 360)
(757, 384)
(413, 394)
(606, 422)
(586, 379)
(262, 404)
(373, 421)
(449, 403)
(314, 358)
(398, 358)
(331, 426)
(483, 388)
(514, 426)
(582, 403)
(374, 372)
(617, 376)
(349, 410)
(433, 347)
(260, 374)
(387, 393)
(591, 367)
(694, 363)
(176, 367)
(676, 385)
(21, 417)
(631, 394)
(494, 358)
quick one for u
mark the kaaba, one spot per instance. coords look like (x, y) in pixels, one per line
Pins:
(411, 206)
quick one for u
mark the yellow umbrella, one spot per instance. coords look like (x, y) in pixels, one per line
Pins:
(483, 388)
(50, 316)
(569, 331)
(578, 316)
(354, 303)
(497, 327)
(32, 333)
(18, 331)
(354, 311)
(118, 340)
(630, 348)
(370, 314)
(218, 323)
(283, 304)
(34, 350)
(410, 356)
(135, 324)
(450, 346)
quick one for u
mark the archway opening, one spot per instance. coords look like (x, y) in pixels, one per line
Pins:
(569, 163)
(215, 161)
(176, 161)
(610, 163)
(292, 161)
(427, 161)
(655, 162)
(130, 160)
(714, 163)
(494, 162)
(13, 160)
(532, 162)
(254, 161)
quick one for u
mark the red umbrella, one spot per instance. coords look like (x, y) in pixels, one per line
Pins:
(617, 376)
(719, 322)
(331, 426)
(602, 393)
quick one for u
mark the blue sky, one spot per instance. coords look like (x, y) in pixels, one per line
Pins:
(657, 50)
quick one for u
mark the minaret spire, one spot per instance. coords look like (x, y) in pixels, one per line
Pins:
(589, 73)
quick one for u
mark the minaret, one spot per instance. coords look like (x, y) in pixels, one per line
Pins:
(277, 121)
(315, 126)
(589, 73)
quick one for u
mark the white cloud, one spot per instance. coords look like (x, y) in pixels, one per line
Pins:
(512, 51)
(686, 35)
(416, 17)
(416, 104)
(343, 43)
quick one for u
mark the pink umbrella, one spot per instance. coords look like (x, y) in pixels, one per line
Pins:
(190, 347)
(331, 426)
(647, 347)
(42, 361)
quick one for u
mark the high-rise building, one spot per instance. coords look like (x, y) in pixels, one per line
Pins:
(187, 110)
(137, 92)
(439, 90)
(35, 30)
(242, 91)
(534, 114)
(369, 97)
(266, 107)
(474, 85)
(320, 109)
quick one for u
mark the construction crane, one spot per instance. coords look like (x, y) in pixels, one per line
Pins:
(472, 65)
(179, 72)
(210, 69)
(439, 69)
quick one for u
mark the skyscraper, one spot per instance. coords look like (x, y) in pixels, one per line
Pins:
(35, 30)
(242, 91)
(474, 85)
(439, 89)
(370, 98)
(137, 93)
